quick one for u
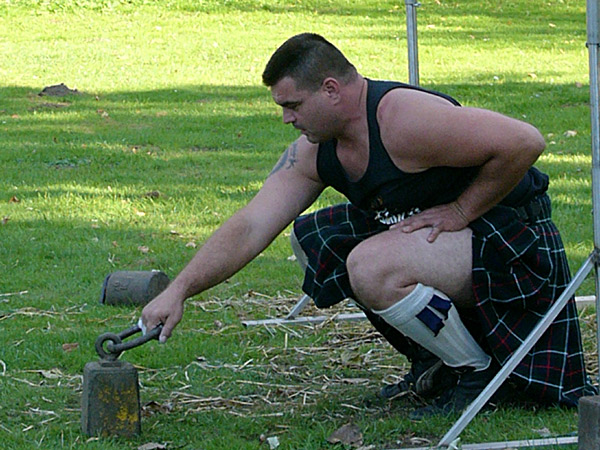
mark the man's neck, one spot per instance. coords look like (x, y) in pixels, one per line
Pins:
(355, 113)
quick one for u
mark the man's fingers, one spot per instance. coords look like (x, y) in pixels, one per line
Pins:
(414, 224)
(169, 324)
(163, 310)
(165, 333)
(433, 234)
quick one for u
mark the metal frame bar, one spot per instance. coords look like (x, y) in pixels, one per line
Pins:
(298, 307)
(543, 442)
(593, 44)
(293, 316)
(411, 41)
(313, 320)
(518, 355)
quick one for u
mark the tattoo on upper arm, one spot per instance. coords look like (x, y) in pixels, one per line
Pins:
(288, 159)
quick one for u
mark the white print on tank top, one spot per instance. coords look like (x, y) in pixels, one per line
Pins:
(387, 218)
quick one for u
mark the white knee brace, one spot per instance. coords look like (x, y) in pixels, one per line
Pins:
(428, 317)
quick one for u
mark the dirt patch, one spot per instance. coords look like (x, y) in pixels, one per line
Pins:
(58, 90)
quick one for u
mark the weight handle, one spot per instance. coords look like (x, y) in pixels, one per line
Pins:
(122, 346)
(115, 345)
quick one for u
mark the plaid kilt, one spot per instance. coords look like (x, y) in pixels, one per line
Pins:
(327, 237)
(519, 270)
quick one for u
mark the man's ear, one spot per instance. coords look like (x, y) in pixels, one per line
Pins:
(331, 88)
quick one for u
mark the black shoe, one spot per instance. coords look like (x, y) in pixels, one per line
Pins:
(426, 378)
(470, 385)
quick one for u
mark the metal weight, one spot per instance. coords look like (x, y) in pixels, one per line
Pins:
(110, 404)
(133, 287)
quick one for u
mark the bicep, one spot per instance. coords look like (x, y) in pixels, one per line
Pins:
(472, 136)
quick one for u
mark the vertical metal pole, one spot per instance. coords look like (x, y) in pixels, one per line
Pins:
(411, 37)
(593, 42)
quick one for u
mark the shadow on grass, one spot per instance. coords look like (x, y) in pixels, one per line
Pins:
(188, 140)
(193, 132)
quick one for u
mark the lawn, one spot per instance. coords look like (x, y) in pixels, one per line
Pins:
(169, 133)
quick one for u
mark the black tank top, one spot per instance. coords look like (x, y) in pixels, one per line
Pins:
(390, 193)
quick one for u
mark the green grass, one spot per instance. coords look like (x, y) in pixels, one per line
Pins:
(170, 100)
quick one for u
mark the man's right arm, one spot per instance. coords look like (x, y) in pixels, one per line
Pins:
(292, 186)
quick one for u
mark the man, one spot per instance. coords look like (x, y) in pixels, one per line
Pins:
(447, 242)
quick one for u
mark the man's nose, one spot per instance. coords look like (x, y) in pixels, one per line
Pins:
(288, 116)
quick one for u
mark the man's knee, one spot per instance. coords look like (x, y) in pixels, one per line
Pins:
(359, 272)
(370, 277)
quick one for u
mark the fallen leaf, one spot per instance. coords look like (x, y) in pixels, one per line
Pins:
(50, 374)
(153, 407)
(570, 133)
(191, 244)
(152, 446)
(14, 199)
(419, 441)
(273, 442)
(348, 434)
(70, 346)
(355, 380)
(5, 220)
(544, 432)
(143, 249)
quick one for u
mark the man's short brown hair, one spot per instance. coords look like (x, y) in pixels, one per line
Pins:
(308, 59)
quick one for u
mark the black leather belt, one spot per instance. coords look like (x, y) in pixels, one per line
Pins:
(529, 212)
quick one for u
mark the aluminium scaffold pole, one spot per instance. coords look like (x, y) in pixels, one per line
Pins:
(411, 40)
(593, 44)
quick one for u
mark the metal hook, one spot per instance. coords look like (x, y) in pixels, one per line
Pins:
(115, 345)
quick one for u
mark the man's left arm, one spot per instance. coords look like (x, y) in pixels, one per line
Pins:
(445, 135)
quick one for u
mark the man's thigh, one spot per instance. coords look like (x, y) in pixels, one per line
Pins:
(395, 259)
